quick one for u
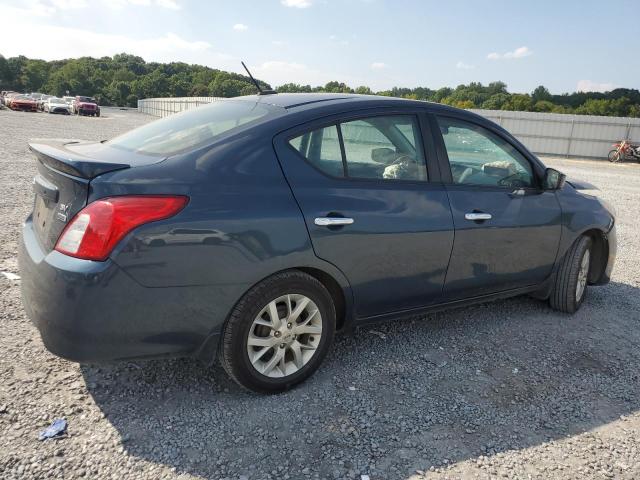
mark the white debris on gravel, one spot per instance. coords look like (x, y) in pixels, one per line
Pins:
(572, 410)
(10, 276)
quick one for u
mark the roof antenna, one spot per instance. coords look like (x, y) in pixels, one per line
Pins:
(262, 92)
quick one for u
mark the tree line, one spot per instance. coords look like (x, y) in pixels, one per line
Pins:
(123, 79)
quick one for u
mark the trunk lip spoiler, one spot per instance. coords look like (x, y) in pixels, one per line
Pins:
(53, 154)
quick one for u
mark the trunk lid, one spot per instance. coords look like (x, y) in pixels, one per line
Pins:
(61, 186)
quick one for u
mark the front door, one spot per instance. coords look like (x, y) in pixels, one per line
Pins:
(507, 229)
(364, 191)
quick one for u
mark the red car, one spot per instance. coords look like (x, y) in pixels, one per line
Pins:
(24, 103)
(86, 106)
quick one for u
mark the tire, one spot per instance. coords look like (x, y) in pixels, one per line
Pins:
(566, 296)
(614, 156)
(97, 114)
(291, 287)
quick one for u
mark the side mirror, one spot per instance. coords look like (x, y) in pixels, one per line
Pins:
(553, 179)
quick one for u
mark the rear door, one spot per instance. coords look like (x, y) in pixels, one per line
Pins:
(362, 184)
(507, 229)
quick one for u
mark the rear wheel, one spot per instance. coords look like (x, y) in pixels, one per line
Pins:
(572, 277)
(278, 333)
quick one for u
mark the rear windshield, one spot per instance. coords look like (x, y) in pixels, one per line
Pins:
(191, 129)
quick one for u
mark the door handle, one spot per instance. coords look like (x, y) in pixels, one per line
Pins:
(475, 216)
(332, 221)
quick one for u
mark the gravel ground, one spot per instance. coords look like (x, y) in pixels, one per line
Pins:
(509, 389)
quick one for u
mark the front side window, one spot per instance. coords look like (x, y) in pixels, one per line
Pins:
(381, 147)
(479, 157)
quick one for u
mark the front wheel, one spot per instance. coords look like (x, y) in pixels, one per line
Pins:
(572, 277)
(615, 156)
(278, 333)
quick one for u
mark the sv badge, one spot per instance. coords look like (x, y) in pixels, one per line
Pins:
(63, 211)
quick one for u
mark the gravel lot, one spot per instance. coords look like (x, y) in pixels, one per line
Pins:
(509, 389)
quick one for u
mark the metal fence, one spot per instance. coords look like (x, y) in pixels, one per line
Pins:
(161, 107)
(585, 136)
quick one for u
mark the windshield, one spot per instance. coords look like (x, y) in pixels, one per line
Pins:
(191, 129)
(56, 100)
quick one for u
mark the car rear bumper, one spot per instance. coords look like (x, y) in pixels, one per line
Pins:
(90, 311)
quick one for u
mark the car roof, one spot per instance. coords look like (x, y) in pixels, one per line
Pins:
(296, 101)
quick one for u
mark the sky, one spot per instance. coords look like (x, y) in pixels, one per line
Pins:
(566, 45)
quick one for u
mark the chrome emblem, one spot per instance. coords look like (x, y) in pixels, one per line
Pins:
(62, 214)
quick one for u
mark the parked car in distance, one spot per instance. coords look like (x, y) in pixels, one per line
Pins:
(8, 97)
(41, 101)
(57, 105)
(86, 106)
(5, 95)
(24, 103)
(325, 211)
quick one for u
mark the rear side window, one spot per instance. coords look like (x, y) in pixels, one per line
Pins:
(322, 148)
(191, 129)
(381, 147)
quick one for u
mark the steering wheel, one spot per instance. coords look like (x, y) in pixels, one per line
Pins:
(514, 180)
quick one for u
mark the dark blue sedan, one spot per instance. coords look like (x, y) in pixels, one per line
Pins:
(252, 229)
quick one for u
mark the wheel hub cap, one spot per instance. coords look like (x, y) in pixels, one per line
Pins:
(284, 335)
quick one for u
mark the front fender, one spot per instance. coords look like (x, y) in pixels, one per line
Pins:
(584, 213)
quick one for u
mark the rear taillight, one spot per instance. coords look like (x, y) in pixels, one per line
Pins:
(94, 232)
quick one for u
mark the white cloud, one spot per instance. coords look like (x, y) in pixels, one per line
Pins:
(379, 65)
(119, 4)
(464, 66)
(170, 4)
(589, 86)
(297, 3)
(28, 8)
(240, 27)
(278, 43)
(64, 42)
(68, 4)
(519, 52)
(279, 72)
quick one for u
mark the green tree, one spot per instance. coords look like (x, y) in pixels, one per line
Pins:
(543, 106)
(541, 94)
(124, 78)
(519, 102)
(496, 101)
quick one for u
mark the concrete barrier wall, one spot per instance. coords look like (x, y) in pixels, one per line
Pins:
(543, 133)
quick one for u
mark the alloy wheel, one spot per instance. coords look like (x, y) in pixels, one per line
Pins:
(583, 275)
(284, 336)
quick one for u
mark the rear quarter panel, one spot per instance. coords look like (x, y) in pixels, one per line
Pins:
(241, 225)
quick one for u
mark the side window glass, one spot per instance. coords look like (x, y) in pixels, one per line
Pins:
(385, 147)
(479, 157)
(322, 148)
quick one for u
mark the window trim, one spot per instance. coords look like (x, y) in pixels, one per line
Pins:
(443, 154)
(418, 117)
